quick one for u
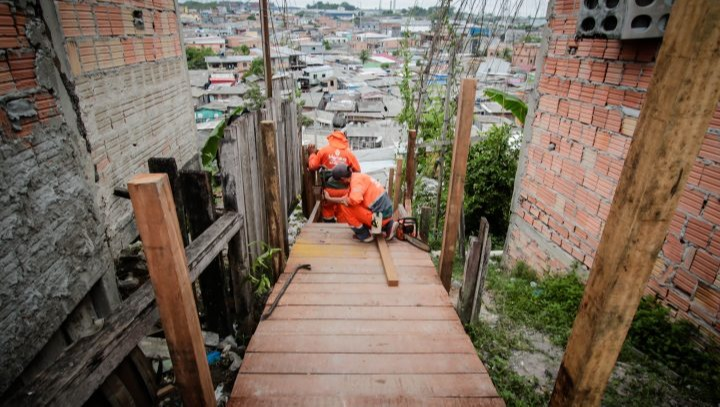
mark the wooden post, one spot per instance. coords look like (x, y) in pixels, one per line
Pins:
(308, 182)
(398, 183)
(425, 215)
(469, 292)
(482, 273)
(681, 99)
(391, 183)
(197, 195)
(159, 230)
(167, 165)
(410, 165)
(267, 57)
(461, 147)
(273, 205)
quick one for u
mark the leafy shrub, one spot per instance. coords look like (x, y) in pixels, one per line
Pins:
(490, 179)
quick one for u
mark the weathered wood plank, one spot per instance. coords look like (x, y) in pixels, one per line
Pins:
(681, 99)
(410, 165)
(453, 208)
(361, 344)
(85, 365)
(409, 313)
(159, 230)
(304, 327)
(394, 401)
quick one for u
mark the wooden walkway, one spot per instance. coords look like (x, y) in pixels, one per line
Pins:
(341, 336)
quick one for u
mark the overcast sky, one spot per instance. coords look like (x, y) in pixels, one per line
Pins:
(527, 8)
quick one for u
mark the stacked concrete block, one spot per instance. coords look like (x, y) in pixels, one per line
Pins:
(583, 116)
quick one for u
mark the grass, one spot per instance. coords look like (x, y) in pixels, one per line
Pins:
(660, 363)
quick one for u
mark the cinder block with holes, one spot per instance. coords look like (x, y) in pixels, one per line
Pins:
(623, 19)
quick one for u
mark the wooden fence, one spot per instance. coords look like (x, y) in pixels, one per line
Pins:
(243, 139)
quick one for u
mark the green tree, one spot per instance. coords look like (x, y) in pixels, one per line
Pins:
(326, 44)
(506, 54)
(257, 68)
(364, 56)
(252, 17)
(242, 50)
(492, 164)
(407, 114)
(514, 104)
(196, 57)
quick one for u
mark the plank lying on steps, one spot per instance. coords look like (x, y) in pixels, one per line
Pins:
(399, 343)
(413, 276)
(348, 363)
(356, 262)
(72, 379)
(431, 385)
(379, 300)
(375, 289)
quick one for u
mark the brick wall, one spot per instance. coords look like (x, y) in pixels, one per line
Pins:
(85, 99)
(133, 91)
(584, 112)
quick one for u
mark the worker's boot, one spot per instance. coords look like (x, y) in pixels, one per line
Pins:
(390, 230)
(362, 234)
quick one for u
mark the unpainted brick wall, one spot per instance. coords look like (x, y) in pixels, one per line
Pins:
(133, 90)
(589, 94)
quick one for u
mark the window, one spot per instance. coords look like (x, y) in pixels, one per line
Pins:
(314, 76)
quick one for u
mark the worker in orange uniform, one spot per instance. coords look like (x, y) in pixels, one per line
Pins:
(366, 197)
(336, 152)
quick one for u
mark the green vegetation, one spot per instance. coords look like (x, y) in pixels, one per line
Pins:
(326, 45)
(407, 114)
(257, 68)
(514, 104)
(492, 163)
(197, 5)
(660, 363)
(251, 17)
(261, 269)
(331, 6)
(242, 50)
(531, 39)
(364, 56)
(196, 57)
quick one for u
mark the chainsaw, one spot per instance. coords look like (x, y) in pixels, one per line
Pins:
(407, 231)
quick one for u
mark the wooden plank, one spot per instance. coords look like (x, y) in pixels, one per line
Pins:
(409, 277)
(197, 197)
(480, 284)
(344, 363)
(391, 182)
(398, 182)
(298, 312)
(85, 364)
(308, 197)
(273, 211)
(470, 292)
(370, 289)
(168, 165)
(157, 224)
(362, 344)
(454, 206)
(425, 215)
(335, 400)
(681, 99)
(410, 166)
(332, 265)
(430, 385)
(233, 200)
(363, 299)
(315, 214)
(319, 327)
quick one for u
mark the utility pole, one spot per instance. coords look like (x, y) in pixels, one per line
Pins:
(264, 24)
(443, 134)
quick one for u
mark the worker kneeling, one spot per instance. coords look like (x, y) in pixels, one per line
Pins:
(366, 197)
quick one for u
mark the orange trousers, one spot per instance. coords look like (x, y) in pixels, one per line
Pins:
(330, 211)
(358, 216)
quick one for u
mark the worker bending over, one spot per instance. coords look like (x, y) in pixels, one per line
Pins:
(366, 196)
(336, 152)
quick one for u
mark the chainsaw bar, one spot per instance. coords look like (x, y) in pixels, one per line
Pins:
(417, 243)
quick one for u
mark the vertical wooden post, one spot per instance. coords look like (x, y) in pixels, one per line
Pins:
(167, 165)
(391, 182)
(197, 195)
(308, 183)
(461, 148)
(157, 223)
(425, 215)
(469, 300)
(398, 183)
(681, 99)
(410, 166)
(267, 57)
(273, 207)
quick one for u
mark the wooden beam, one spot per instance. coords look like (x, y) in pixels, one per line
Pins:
(388, 265)
(454, 206)
(168, 165)
(398, 182)
(267, 58)
(197, 197)
(425, 215)
(308, 182)
(391, 182)
(273, 203)
(84, 366)
(468, 292)
(681, 99)
(410, 166)
(315, 214)
(159, 230)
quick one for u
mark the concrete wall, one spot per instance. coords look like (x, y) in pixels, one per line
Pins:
(582, 118)
(85, 99)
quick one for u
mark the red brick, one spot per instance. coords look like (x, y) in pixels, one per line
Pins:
(705, 266)
(712, 210)
(691, 201)
(711, 147)
(684, 281)
(672, 248)
(698, 232)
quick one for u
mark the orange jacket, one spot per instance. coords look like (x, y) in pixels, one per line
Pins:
(364, 190)
(337, 151)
